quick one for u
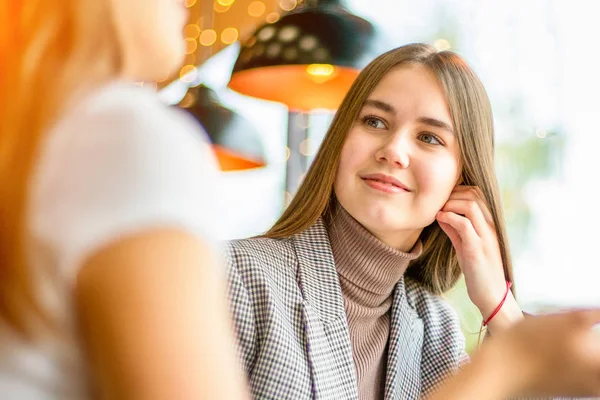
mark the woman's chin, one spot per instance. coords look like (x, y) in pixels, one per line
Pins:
(380, 220)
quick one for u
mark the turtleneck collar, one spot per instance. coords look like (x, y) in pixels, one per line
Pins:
(369, 269)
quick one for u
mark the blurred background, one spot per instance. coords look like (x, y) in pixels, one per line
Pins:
(264, 78)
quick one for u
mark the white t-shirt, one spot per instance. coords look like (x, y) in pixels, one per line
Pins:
(118, 163)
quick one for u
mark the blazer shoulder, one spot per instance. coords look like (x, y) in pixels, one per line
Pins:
(259, 250)
(262, 259)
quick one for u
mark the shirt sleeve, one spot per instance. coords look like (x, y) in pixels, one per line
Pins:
(120, 166)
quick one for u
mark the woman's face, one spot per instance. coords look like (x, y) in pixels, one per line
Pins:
(400, 160)
(151, 34)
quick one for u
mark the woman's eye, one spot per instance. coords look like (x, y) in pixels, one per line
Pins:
(373, 122)
(429, 138)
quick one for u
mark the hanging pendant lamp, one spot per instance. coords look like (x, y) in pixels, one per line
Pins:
(236, 143)
(308, 59)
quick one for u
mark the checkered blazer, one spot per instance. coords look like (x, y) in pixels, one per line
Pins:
(293, 334)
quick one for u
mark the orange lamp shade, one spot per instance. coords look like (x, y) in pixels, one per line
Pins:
(301, 87)
(232, 161)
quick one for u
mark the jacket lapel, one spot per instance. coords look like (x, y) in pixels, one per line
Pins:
(403, 376)
(326, 333)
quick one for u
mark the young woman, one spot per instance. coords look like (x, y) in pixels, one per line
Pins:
(108, 284)
(340, 299)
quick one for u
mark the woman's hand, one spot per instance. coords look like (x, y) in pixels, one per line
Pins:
(467, 221)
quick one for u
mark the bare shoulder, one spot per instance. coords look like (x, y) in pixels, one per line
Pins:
(126, 293)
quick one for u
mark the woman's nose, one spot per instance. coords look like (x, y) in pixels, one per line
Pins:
(395, 151)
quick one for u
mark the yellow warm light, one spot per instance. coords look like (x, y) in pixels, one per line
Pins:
(208, 37)
(288, 5)
(321, 73)
(273, 17)
(442, 45)
(307, 148)
(226, 3)
(188, 73)
(229, 35)
(164, 78)
(320, 69)
(188, 100)
(190, 3)
(256, 8)
(541, 133)
(192, 31)
(190, 45)
(220, 8)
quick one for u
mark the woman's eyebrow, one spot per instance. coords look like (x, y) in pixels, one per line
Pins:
(435, 123)
(382, 105)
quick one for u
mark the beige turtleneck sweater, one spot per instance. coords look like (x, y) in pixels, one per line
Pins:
(368, 270)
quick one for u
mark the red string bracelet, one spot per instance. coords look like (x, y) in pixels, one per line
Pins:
(508, 286)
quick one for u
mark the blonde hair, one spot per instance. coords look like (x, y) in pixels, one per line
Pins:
(437, 269)
(53, 49)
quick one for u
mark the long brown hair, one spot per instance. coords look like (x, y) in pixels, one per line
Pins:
(52, 48)
(437, 269)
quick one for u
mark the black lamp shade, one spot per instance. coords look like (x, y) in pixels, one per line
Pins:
(308, 59)
(237, 143)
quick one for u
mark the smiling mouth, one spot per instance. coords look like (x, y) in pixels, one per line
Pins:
(384, 185)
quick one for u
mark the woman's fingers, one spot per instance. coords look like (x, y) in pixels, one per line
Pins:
(473, 193)
(462, 225)
(472, 211)
(452, 234)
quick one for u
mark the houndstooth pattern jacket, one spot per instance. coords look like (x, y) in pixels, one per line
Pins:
(293, 335)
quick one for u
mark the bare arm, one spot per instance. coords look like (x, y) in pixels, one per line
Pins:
(154, 319)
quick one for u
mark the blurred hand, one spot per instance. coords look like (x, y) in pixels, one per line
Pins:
(552, 355)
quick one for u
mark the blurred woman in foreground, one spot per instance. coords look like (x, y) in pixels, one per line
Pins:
(109, 287)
